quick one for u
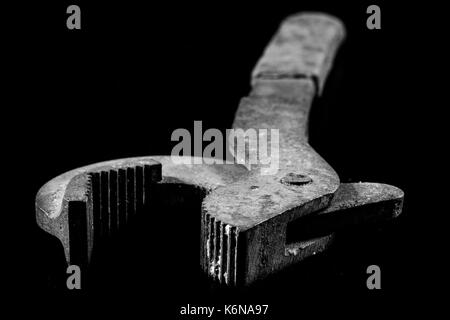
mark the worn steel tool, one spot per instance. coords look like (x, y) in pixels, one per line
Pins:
(247, 218)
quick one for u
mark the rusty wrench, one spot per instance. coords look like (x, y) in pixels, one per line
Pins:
(245, 214)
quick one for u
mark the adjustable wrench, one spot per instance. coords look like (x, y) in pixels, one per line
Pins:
(245, 214)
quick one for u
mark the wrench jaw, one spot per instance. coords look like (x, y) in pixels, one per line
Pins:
(244, 242)
(86, 207)
(236, 255)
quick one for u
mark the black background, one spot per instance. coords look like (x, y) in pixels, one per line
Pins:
(119, 87)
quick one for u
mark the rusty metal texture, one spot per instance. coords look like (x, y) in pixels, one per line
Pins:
(247, 217)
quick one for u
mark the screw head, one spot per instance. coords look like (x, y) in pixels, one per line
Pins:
(295, 179)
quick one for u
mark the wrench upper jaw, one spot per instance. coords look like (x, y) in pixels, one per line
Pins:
(244, 225)
(237, 250)
(91, 202)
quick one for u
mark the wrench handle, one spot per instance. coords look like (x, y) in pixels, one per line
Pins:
(303, 48)
(287, 77)
(292, 69)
